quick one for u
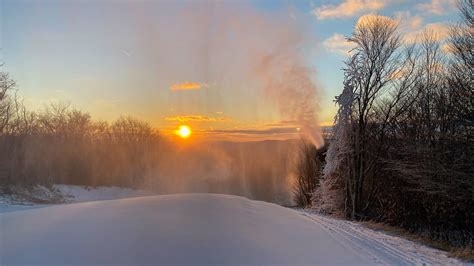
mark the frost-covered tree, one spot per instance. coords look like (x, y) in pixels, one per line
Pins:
(380, 77)
(329, 196)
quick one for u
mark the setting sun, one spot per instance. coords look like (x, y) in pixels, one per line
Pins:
(183, 131)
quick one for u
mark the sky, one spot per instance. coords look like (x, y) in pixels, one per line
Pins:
(195, 62)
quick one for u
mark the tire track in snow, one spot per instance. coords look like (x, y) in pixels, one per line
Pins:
(382, 248)
(346, 241)
(383, 254)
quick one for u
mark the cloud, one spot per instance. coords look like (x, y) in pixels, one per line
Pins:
(196, 118)
(337, 43)
(370, 18)
(185, 86)
(407, 21)
(437, 7)
(269, 131)
(348, 8)
(283, 123)
(276, 130)
(439, 30)
(412, 27)
(281, 130)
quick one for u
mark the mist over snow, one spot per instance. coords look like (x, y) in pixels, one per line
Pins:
(260, 170)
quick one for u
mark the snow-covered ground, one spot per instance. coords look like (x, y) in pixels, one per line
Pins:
(196, 229)
(381, 247)
(65, 194)
(82, 194)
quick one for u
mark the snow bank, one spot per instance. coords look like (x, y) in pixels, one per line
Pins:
(189, 229)
(24, 198)
(381, 247)
(82, 193)
(40, 196)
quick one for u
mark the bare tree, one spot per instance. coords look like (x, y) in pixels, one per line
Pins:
(369, 71)
(6, 102)
(308, 172)
(461, 70)
(133, 137)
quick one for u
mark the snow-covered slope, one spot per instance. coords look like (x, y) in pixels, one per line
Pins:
(176, 229)
(184, 229)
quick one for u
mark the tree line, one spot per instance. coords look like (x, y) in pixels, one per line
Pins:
(60, 144)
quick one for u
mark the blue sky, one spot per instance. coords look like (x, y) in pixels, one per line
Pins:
(90, 53)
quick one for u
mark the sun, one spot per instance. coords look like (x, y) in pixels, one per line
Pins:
(183, 131)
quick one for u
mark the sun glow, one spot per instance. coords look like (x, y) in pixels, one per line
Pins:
(183, 131)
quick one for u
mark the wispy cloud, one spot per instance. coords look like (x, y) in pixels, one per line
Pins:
(269, 131)
(439, 31)
(337, 43)
(349, 8)
(437, 7)
(283, 123)
(407, 21)
(196, 118)
(185, 86)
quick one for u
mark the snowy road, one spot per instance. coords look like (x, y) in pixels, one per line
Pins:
(195, 229)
